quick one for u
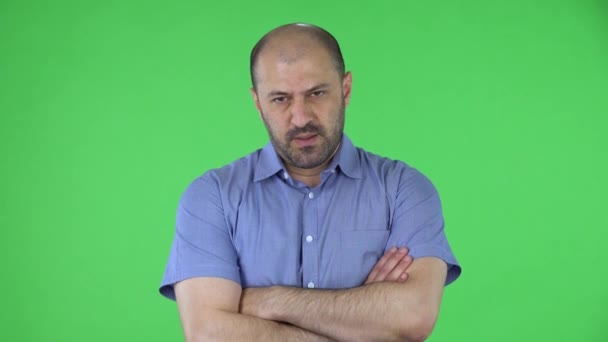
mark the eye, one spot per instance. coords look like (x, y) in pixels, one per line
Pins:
(279, 99)
(317, 93)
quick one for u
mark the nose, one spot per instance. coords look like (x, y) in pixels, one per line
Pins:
(301, 112)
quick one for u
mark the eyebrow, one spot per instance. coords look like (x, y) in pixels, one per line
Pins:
(283, 93)
(317, 87)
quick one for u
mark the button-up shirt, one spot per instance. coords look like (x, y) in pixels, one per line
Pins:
(251, 223)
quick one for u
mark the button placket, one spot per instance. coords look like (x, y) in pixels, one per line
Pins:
(310, 250)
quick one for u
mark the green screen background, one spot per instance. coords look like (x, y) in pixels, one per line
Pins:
(109, 109)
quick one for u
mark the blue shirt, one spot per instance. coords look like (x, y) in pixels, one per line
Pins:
(251, 223)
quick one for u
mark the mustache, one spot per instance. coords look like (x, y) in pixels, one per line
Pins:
(309, 128)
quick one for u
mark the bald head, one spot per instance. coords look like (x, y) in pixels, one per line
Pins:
(292, 41)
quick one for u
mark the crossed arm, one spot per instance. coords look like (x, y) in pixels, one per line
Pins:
(392, 305)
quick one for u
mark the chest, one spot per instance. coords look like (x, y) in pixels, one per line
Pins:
(327, 237)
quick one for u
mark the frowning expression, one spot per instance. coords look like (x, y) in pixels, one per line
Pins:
(301, 99)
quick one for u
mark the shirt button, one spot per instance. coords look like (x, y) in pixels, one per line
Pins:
(285, 175)
(311, 195)
(309, 238)
(311, 285)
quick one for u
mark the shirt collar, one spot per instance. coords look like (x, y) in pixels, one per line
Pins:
(268, 163)
(346, 159)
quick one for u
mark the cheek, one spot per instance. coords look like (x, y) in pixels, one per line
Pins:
(328, 112)
(276, 115)
(273, 123)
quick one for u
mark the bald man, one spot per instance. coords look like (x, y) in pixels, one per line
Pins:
(309, 238)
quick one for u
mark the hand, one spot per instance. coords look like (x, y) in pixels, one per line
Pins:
(391, 267)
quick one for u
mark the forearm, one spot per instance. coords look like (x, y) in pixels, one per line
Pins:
(363, 313)
(229, 326)
(380, 311)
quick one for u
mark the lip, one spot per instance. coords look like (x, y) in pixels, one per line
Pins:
(305, 139)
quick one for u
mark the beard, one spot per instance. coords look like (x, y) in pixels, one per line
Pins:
(309, 157)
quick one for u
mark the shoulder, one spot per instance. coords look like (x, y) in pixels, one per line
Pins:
(222, 181)
(371, 162)
(395, 174)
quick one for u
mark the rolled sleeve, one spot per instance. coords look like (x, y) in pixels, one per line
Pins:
(418, 222)
(202, 245)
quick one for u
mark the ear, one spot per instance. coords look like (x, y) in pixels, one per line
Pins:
(256, 101)
(347, 86)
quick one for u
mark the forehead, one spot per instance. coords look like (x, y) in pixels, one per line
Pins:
(294, 66)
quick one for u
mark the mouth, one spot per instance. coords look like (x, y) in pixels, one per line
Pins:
(305, 139)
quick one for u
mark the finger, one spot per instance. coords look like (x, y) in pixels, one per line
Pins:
(386, 256)
(388, 266)
(399, 270)
(372, 275)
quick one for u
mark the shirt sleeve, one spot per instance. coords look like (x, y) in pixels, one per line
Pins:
(418, 222)
(202, 245)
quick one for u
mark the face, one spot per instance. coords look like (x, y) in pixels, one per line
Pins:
(302, 103)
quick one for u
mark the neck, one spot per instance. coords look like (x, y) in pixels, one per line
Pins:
(310, 177)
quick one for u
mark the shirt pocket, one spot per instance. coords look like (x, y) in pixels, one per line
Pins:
(359, 252)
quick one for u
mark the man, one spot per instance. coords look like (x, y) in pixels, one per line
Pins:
(298, 240)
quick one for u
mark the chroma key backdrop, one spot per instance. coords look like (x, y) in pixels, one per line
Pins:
(109, 109)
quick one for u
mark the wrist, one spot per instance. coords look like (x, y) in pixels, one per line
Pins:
(274, 301)
(261, 302)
